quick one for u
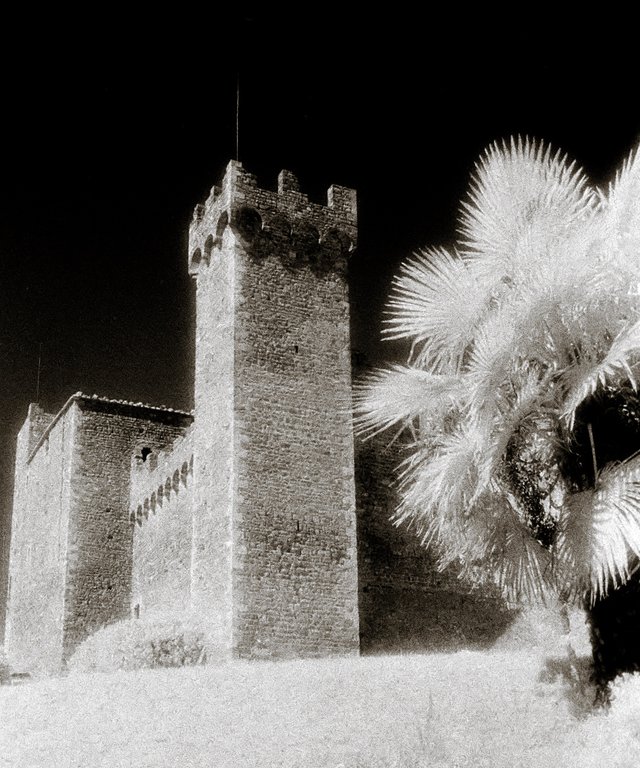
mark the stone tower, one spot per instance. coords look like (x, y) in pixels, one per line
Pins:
(274, 559)
(71, 540)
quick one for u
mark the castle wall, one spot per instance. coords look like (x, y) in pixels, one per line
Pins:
(37, 569)
(274, 454)
(162, 496)
(214, 443)
(100, 534)
(295, 578)
(405, 603)
(255, 516)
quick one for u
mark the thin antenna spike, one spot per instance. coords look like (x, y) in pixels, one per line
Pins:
(39, 369)
(238, 117)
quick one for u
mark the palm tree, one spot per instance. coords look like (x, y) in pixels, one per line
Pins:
(520, 389)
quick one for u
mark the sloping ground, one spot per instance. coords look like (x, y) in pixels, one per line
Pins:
(464, 709)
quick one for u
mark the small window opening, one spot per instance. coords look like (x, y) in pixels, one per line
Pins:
(295, 348)
(144, 454)
(136, 611)
(208, 247)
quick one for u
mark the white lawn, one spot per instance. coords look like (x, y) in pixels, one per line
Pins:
(465, 709)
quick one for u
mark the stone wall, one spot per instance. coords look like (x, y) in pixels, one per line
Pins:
(161, 515)
(214, 441)
(406, 604)
(100, 547)
(273, 405)
(35, 610)
(295, 524)
(248, 517)
(72, 540)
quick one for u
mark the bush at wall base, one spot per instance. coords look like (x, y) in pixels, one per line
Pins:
(144, 644)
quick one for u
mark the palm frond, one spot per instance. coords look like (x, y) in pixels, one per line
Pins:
(398, 395)
(491, 544)
(537, 308)
(492, 360)
(521, 566)
(615, 366)
(531, 329)
(441, 479)
(437, 302)
(579, 294)
(598, 532)
(533, 403)
(522, 193)
(620, 204)
(449, 495)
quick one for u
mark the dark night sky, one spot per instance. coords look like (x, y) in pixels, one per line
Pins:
(111, 135)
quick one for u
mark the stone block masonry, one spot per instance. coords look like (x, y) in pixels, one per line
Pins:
(72, 541)
(162, 500)
(275, 534)
(38, 560)
(100, 535)
(245, 512)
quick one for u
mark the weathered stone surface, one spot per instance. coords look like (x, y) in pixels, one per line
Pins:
(247, 516)
(37, 566)
(72, 541)
(161, 515)
(274, 526)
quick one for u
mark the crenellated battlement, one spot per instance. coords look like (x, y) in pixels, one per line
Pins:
(281, 223)
(156, 478)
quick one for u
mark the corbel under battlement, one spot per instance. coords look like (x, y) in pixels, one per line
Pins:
(281, 222)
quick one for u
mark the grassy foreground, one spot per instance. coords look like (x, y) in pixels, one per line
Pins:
(464, 709)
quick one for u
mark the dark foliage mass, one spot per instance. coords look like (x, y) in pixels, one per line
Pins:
(614, 415)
